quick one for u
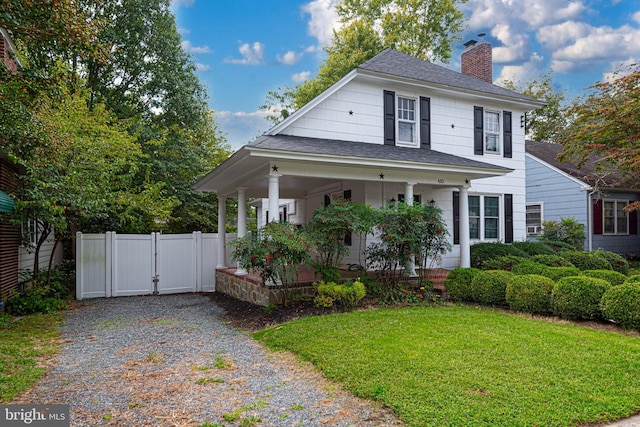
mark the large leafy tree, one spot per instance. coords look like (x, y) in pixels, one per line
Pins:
(425, 29)
(606, 126)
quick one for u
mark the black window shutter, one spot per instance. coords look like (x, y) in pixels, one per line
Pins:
(633, 222)
(478, 130)
(327, 200)
(508, 218)
(347, 195)
(425, 122)
(597, 216)
(347, 237)
(456, 218)
(507, 134)
(389, 118)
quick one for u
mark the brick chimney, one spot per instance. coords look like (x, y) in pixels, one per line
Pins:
(477, 61)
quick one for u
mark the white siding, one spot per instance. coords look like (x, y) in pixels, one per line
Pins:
(27, 257)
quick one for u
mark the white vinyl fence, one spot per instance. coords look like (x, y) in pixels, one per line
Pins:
(112, 265)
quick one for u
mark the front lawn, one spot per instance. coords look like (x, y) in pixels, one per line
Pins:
(461, 366)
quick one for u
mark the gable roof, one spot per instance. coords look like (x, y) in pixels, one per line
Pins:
(587, 172)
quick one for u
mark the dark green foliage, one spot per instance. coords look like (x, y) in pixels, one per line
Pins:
(345, 295)
(30, 304)
(558, 245)
(551, 260)
(567, 230)
(578, 297)
(529, 267)
(586, 260)
(557, 273)
(458, 283)
(530, 293)
(44, 294)
(502, 262)
(618, 263)
(610, 276)
(481, 252)
(490, 287)
(622, 305)
(632, 279)
(534, 248)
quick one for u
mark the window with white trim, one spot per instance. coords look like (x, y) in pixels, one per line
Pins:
(491, 132)
(484, 217)
(534, 219)
(406, 120)
(30, 233)
(615, 219)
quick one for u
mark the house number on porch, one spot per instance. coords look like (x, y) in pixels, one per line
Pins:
(441, 181)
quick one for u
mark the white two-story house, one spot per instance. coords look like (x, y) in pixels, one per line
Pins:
(394, 128)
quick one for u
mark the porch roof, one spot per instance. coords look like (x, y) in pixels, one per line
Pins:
(307, 163)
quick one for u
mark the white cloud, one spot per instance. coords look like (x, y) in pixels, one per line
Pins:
(636, 17)
(556, 36)
(202, 67)
(290, 58)
(188, 47)
(523, 73)
(180, 3)
(251, 54)
(183, 31)
(324, 19)
(242, 127)
(301, 76)
(514, 47)
(619, 69)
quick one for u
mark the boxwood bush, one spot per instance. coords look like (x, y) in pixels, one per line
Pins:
(621, 304)
(458, 283)
(530, 293)
(558, 245)
(534, 248)
(586, 260)
(502, 262)
(618, 263)
(578, 297)
(551, 260)
(632, 279)
(557, 273)
(529, 267)
(490, 287)
(610, 276)
(481, 252)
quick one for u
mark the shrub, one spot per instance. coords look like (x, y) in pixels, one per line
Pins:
(622, 305)
(610, 276)
(586, 260)
(30, 304)
(578, 297)
(558, 245)
(458, 283)
(632, 279)
(618, 263)
(529, 267)
(481, 252)
(502, 262)
(530, 293)
(490, 287)
(534, 248)
(567, 230)
(346, 295)
(551, 260)
(557, 273)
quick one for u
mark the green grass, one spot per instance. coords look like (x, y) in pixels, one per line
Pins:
(461, 366)
(23, 344)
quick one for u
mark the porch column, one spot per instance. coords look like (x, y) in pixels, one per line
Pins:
(242, 221)
(274, 197)
(222, 231)
(465, 250)
(408, 199)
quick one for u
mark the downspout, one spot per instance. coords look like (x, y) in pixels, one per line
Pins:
(590, 194)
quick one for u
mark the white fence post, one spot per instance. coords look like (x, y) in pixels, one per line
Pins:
(79, 265)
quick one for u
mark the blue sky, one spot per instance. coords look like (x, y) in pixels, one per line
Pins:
(245, 48)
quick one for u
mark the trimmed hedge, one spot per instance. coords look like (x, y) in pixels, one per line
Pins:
(618, 263)
(621, 304)
(490, 287)
(632, 279)
(458, 283)
(534, 248)
(346, 295)
(558, 245)
(578, 297)
(502, 262)
(481, 252)
(610, 276)
(529, 267)
(557, 273)
(551, 260)
(586, 260)
(530, 293)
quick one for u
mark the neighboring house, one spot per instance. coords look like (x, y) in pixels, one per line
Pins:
(558, 189)
(395, 128)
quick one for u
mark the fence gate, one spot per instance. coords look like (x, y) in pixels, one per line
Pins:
(111, 265)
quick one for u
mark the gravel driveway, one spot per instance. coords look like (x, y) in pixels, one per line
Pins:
(172, 361)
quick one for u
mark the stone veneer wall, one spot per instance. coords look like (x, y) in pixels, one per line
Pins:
(256, 293)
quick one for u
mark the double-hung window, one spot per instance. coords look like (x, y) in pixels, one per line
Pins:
(484, 217)
(534, 219)
(491, 132)
(615, 218)
(406, 120)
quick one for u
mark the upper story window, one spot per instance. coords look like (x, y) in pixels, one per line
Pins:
(406, 120)
(492, 132)
(615, 218)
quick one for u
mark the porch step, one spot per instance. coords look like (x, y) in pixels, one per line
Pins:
(437, 276)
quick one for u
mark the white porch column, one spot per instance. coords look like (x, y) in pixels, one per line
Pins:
(465, 245)
(274, 197)
(242, 221)
(222, 231)
(408, 199)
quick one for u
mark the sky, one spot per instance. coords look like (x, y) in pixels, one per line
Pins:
(245, 48)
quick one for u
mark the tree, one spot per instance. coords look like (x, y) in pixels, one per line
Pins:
(548, 123)
(606, 126)
(425, 29)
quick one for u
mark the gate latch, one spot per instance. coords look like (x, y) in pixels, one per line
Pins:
(155, 279)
